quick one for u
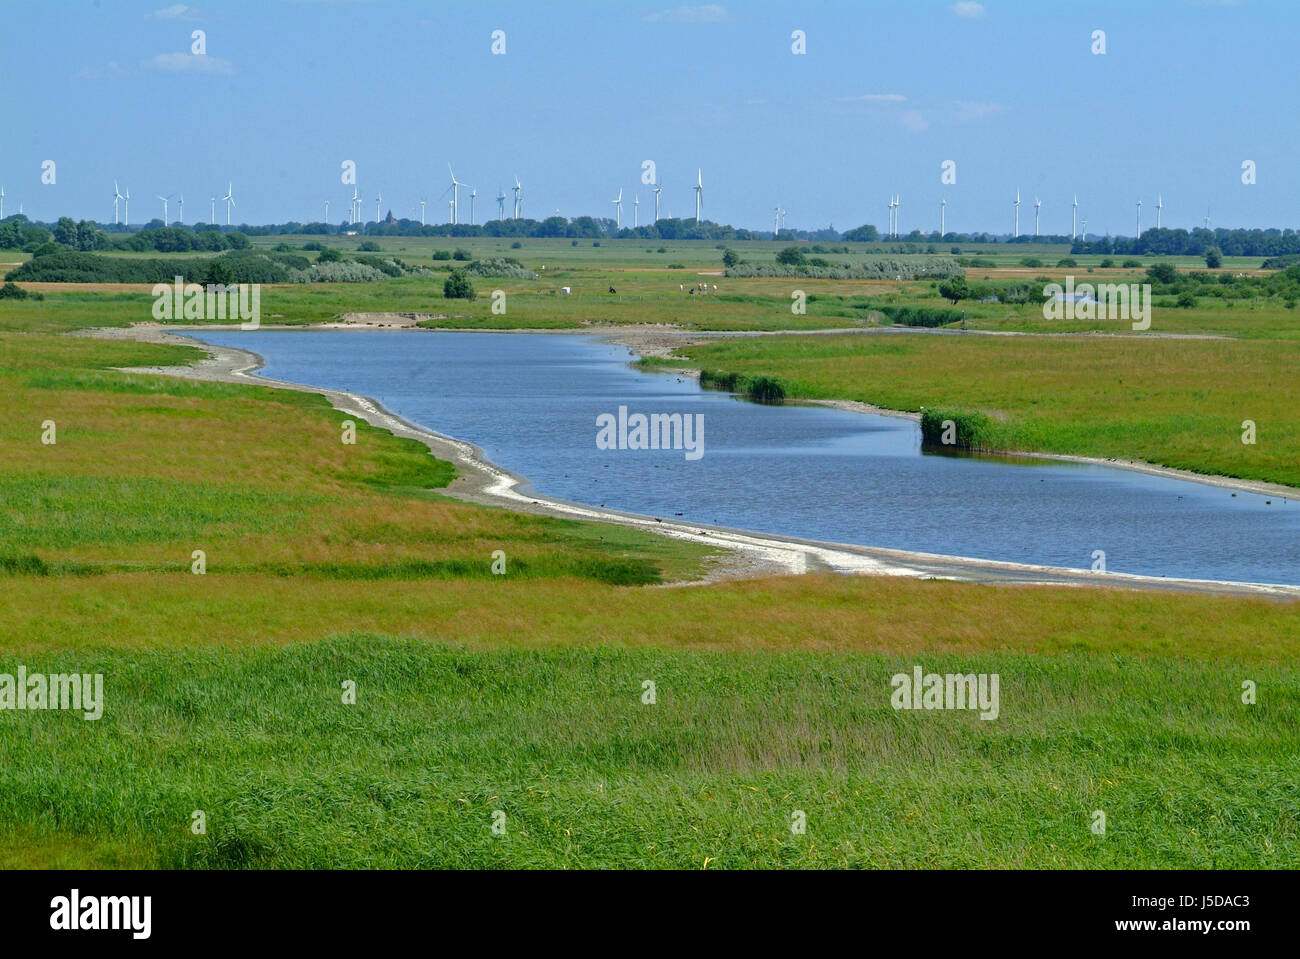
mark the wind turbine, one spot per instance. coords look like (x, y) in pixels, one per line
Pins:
(889, 231)
(212, 213)
(164, 199)
(1160, 205)
(1139, 220)
(455, 194)
(1074, 221)
(618, 210)
(776, 221)
(451, 211)
(2, 204)
(181, 203)
(1017, 233)
(501, 204)
(699, 194)
(658, 190)
(1207, 216)
(473, 195)
(117, 195)
(354, 212)
(327, 211)
(517, 188)
(943, 208)
(230, 200)
(422, 212)
(379, 198)
(1084, 237)
(898, 203)
(126, 208)
(636, 210)
(1037, 205)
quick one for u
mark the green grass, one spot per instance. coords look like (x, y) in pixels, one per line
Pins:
(1178, 403)
(589, 776)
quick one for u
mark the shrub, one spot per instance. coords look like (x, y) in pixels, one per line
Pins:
(972, 430)
(1162, 273)
(791, 256)
(12, 291)
(458, 286)
(329, 255)
(501, 266)
(1031, 261)
(920, 315)
(760, 389)
(1107, 263)
(1069, 261)
(369, 246)
(1213, 258)
(461, 255)
(441, 254)
(514, 246)
(1132, 264)
(730, 258)
(1186, 300)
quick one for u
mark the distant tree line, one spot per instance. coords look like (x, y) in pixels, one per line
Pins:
(1167, 242)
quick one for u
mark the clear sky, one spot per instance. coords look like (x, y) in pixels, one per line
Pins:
(1009, 90)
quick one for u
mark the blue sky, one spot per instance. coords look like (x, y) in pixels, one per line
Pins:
(887, 91)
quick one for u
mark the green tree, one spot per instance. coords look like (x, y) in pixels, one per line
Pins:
(730, 258)
(65, 231)
(791, 256)
(458, 286)
(1213, 258)
(1162, 273)
(954, 289)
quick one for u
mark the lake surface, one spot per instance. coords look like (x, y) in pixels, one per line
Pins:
(531, 402)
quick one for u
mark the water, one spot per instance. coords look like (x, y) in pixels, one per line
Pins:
(530, 402)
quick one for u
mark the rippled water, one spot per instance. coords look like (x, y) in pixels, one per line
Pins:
(530, 401)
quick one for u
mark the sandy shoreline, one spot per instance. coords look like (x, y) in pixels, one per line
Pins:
(743, 553)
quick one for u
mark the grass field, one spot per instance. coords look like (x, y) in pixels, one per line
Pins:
(523, 694)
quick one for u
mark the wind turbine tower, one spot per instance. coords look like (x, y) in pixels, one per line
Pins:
(230, 200)
(1037, 205)
(501, 204)
(699, 194)
(327, 211)
(181, 203)
(126, 208)
(117, 195)
(943, 208)
(1160, 205)
(1016, 234)
(164, 199)
(517, 188)
(473, 195)
(1074, 220)
(658, 190)
(422, 202)
(379, 198)
(1139, 219)
(212, 212)
(618, 210)
(636, 210)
